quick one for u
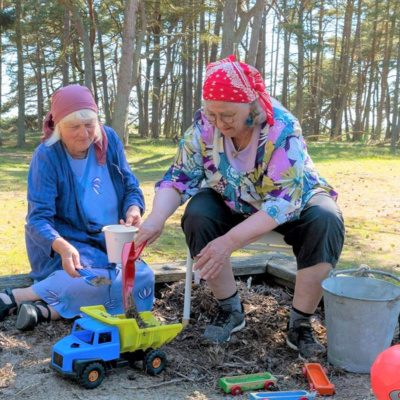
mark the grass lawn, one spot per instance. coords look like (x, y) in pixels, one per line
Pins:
(366, 178)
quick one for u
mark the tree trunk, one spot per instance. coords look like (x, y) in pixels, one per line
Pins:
(124, 83)
(39, 83)
(200, 62)
(217, 29)
(372, 73)
(149, 63)
(300, 63)
(20, 62)
(255, 33)
(65, 63)
(286, 57)
(396, 114)
(87, 49)
(260, 58)
(315, 90)
(228, 31)
(1, 76)
(343, 74)
(136, 56)
(155, 102)
(106, 101)
(358, 128)
(384, 74)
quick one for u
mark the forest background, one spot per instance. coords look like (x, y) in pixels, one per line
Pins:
(333, 63)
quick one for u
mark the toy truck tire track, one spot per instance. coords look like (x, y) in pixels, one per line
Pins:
(154, 361)
(92, 375)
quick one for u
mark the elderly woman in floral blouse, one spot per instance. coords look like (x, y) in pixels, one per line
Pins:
(245, 167)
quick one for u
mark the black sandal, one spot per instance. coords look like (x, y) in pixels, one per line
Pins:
(5, 309)
(29, 315)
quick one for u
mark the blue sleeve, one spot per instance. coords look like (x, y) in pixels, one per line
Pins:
(42, 194)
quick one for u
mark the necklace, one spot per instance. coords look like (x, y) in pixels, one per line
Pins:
(236, 152)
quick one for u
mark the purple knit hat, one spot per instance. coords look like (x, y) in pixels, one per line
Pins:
(66, 101)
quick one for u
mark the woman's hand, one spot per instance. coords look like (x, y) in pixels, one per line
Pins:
(69, 256)
(214, 257)
(132, 217)
(150, 230)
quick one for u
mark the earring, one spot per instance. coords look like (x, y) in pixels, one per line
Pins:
(249, 121)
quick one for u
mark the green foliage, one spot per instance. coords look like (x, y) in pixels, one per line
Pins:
(7, 19)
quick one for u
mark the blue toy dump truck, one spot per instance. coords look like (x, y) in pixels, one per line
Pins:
(100, 341)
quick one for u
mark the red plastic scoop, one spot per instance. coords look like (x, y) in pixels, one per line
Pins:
(129, 256)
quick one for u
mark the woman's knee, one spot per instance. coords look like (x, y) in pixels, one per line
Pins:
(325, 215)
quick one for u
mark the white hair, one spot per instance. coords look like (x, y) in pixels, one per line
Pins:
(257, 113)
(80, 115)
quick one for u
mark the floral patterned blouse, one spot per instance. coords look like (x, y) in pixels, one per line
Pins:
(282, 181)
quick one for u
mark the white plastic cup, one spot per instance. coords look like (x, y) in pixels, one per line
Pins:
(116, 237)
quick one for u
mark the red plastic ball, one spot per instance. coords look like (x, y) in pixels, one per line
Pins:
(385, 374)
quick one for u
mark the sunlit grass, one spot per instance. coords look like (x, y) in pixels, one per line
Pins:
(366, 178)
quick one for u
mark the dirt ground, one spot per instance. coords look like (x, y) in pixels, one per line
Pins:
(193, 369)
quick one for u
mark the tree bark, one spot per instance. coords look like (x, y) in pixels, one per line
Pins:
(124, 83)
(358, 128)
(300, 63)
(217, 29)
(315, 90)
(343, 74)
(228, 28)
(385, 72)
(87, 50)
(106, 101)
(155, 102)
(255, 33)
(396, 114)
(286, 57)
(1, 76)
(65, 63)
(21, 87)
(200, 62)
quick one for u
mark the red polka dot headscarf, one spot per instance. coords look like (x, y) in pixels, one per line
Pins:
(236, 82)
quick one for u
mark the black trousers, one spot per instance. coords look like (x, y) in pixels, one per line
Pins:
(316, 237)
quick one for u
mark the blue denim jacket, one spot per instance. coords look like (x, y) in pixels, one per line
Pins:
(54, 209)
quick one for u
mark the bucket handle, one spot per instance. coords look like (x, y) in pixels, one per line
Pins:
(363, 271)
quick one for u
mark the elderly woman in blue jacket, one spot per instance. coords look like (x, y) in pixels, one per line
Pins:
(78, 182)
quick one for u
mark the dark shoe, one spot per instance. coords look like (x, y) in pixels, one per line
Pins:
(301, 338)
(29, 315)
(223, 324)
(7, 309)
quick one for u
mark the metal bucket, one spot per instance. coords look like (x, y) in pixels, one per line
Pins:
(361, 314)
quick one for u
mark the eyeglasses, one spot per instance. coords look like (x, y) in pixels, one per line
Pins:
(227, 119)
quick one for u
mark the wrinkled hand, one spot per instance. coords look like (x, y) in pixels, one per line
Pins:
(150, 230)
(70, 260)
(132, 217)
(214, 257)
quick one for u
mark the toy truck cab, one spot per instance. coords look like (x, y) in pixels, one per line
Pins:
(84, 353)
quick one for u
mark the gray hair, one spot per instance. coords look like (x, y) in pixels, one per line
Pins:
(80, 115)
(257, 113)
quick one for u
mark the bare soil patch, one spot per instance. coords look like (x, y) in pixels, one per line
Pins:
(193, 370)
